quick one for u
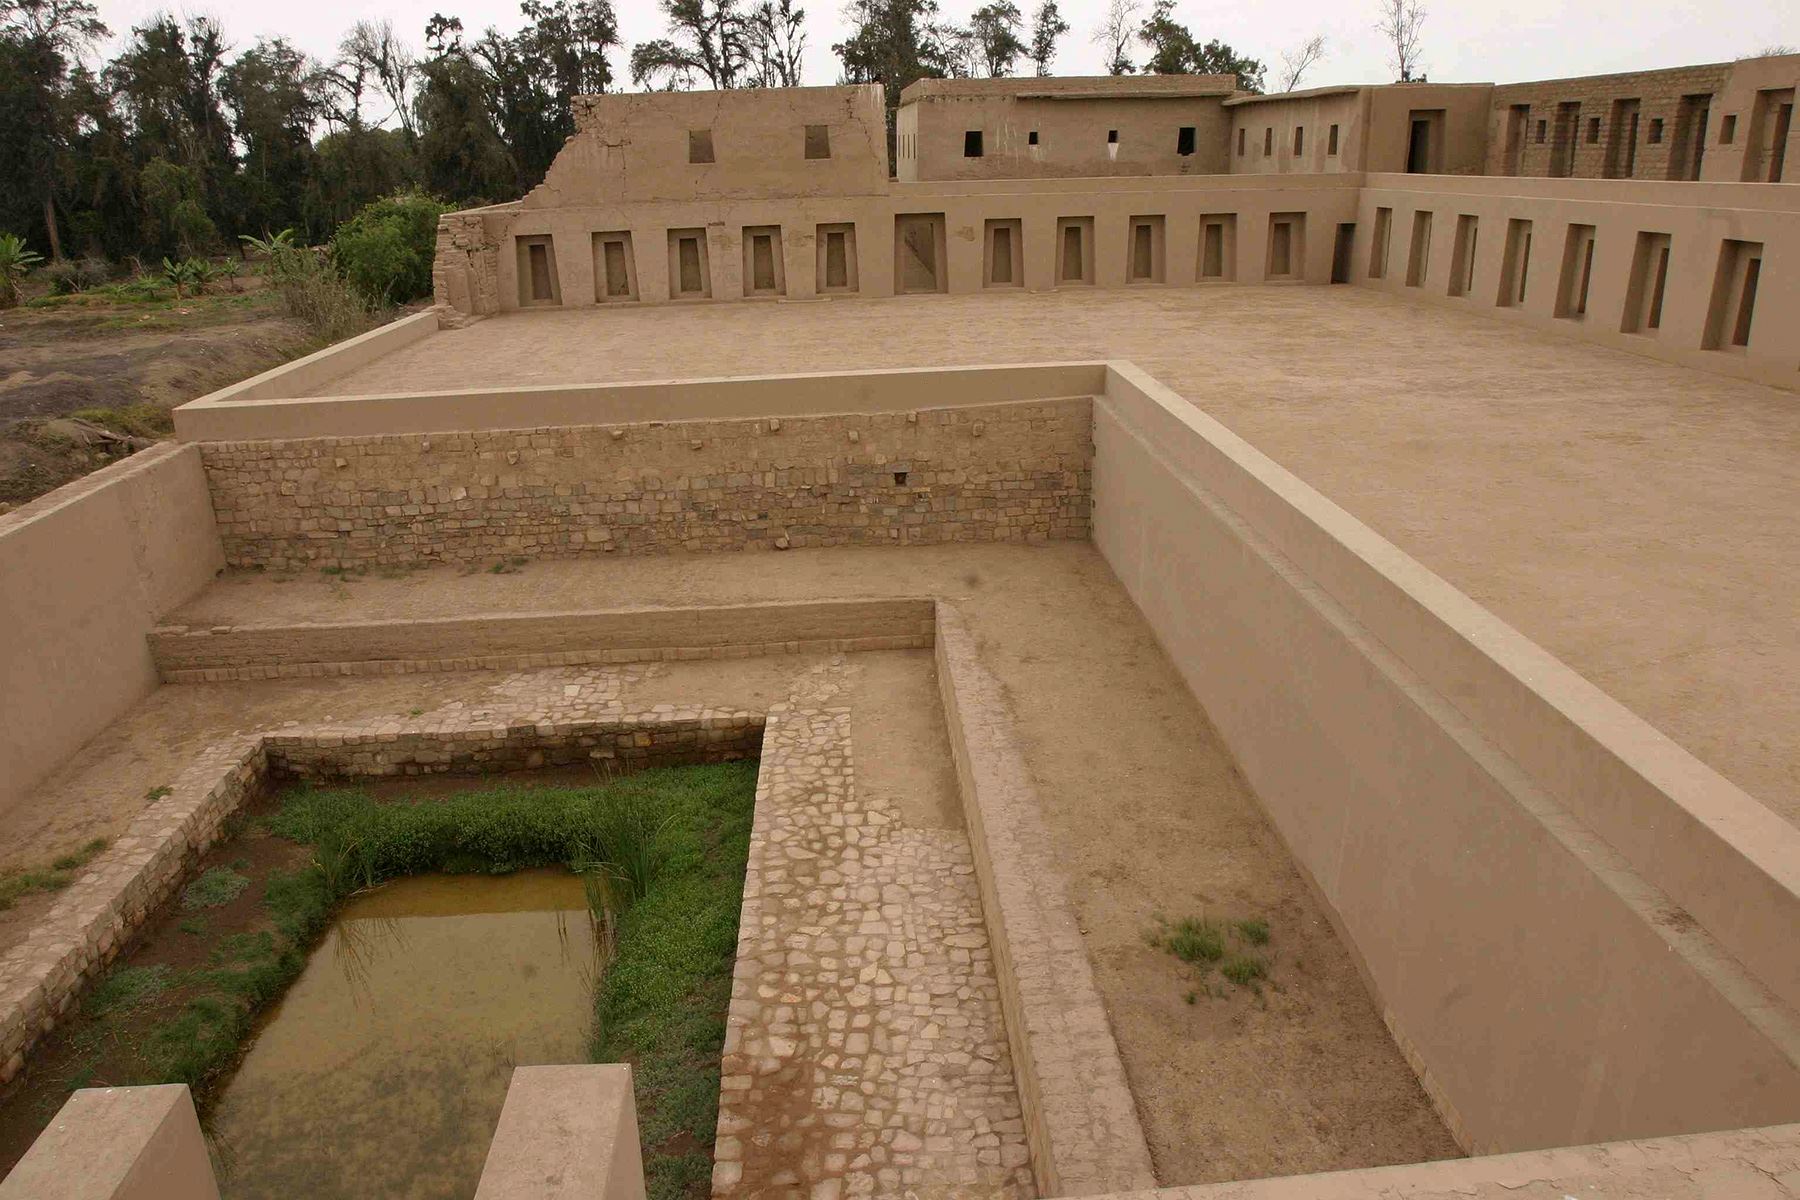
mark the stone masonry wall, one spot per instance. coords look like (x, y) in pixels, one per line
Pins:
(465, 272)
(1658, 94)
(995, 473)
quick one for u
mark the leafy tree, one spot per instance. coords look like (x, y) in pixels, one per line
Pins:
(994, 33)
(174, 216)
(373, 58)
(166, 87)
(461, 155)
(894, 43)
(1173, 51)
(275, 95)
(1047, 28)
(706, 38)
(385, 251)
(39, 41)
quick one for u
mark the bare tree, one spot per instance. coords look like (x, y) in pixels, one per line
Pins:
(1774, 51)
(777, 38)
(1114, 35)
(1401, 21)
(1300, 60)
(371, 50)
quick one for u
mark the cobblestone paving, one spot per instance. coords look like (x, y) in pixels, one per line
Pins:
(865, 1053)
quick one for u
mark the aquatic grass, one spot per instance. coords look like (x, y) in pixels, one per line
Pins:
(126, 987)
(214, 889)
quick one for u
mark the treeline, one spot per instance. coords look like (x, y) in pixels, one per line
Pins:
(181, 146)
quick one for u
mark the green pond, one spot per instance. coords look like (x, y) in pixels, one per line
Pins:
(383, 1069)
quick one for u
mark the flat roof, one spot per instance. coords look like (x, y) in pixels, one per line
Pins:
(1631, 516)
(1076, 87)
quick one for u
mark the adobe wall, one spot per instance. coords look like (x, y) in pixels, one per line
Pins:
(1659, 96)
(1072, 118)
(1700, 220)
(1008, 472)
(1464, 136)
(85, 573)
(1522, 868)
(1314, 112)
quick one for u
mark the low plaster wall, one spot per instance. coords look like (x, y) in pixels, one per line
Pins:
(1004, 472)
(1697, 217)
(85, 574)
(295, 414)
(306, 374)
(1080, 1119)
(1546, 896)
(521, 641)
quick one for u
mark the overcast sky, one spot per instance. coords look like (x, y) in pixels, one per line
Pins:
(1464, 41)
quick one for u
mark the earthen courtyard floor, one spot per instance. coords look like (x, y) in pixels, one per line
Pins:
(1147, 814)
(1637, 519)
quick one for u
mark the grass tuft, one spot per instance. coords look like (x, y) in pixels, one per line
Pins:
(127, 987)
(1254, 930)
(215, 889)
(1195, 940)
(1244, 969)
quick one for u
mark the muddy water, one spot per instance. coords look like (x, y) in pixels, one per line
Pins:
(383, 1069)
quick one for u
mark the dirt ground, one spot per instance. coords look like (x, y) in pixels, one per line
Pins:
(1150, 817)
(146, 358)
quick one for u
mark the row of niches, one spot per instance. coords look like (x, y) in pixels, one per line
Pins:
(919, 257)
(1731, 300)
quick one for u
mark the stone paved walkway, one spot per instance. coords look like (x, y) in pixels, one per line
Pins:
(865, 1053)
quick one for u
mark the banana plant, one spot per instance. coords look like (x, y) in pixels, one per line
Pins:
(16, 259)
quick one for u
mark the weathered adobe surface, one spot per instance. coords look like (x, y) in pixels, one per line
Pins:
(1000, 473)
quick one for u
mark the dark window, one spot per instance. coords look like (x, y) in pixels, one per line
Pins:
(1331, 141)
(1240, 143)
(700, 146)
(1593, 130)
(1299, 140)
(1656, 128)
(1031, 138)
(1112, 137)
(972, 144)
(1728, 130)
(1539, 136)
(1184, 140)
(818, 141)
(1268, 142)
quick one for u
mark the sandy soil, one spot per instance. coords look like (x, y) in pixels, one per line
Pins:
(58, 361)
(1150, 816)
(1634, 518)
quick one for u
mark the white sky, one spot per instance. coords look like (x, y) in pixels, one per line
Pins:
(1465, 41)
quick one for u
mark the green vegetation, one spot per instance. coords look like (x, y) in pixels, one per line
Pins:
(1204, 943)
(215, 889)
(16, 260)
(385, 250)
(57, 876)
(663, 852)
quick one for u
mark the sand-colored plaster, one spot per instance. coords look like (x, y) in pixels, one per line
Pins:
(1631, 517)
(1147, 812)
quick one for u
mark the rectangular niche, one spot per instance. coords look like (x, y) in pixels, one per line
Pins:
(615, 268)
(1144, 250)
(538, 285)
(1644, 291)
(1577, 273)
(690, 273)
(919, 253)
(1287, 246)
(837, 258)
(1002, 254)
(1074, 251)
(1418, 256)
(1515, 264)
(1733, 306)
(1462, 256)
(1218, 248)
(1378, 245)
(764, 273)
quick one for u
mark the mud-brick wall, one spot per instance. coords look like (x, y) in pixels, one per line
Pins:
(1010, 472)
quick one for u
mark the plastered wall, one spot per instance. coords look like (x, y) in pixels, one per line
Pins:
(85, 573)
(1545, 985)
(1697, 219)
(1005, 472)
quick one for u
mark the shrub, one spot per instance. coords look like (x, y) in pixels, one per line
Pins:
(385, 251)
(16, 258)
(68, 276)
(311, 291)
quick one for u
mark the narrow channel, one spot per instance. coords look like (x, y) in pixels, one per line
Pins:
(383, 1069)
